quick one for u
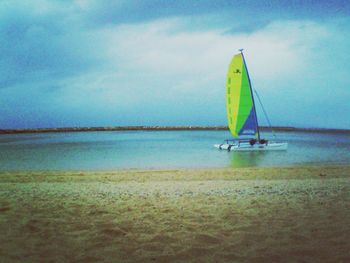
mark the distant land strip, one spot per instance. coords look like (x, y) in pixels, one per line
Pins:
(163, 128)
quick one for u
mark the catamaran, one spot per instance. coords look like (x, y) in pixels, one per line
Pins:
(241, 112)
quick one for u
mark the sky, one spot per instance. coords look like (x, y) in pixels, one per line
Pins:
(152, 62)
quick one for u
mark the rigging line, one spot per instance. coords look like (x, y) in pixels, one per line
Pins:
(267, 118)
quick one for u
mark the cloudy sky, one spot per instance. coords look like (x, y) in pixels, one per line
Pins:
(152, 62)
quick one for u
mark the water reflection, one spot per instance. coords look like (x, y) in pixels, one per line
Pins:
(246, 159)
(260, 158)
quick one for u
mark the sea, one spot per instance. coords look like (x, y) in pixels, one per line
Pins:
(110, 150)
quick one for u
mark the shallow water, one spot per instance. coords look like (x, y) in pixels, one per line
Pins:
(161, 149)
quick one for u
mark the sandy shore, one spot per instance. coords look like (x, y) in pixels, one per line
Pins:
(295, 214)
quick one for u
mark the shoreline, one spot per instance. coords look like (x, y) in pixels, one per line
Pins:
(181, 169)
(188, 174)
(164, 128)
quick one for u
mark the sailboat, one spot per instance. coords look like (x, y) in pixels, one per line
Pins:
(241, 112)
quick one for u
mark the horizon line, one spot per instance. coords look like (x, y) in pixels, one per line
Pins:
(161, 128)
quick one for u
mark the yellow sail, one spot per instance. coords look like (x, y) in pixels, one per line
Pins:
(240, 107)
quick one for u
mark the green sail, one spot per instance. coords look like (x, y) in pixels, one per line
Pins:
(240, 108)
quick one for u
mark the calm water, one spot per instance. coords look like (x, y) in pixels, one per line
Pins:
(160, 149)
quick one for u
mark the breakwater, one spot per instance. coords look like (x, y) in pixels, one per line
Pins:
(163, 128)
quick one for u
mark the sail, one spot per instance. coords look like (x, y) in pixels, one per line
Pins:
(241, 114)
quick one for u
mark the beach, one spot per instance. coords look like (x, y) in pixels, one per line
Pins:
(273, 214)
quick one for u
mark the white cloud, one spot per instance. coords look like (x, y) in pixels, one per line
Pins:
(161, 49)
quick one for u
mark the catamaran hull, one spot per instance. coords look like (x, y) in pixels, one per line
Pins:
(271, 146)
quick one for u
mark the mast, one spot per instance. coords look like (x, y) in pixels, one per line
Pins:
(251, 92)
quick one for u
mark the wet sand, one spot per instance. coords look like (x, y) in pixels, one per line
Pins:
(295, 214)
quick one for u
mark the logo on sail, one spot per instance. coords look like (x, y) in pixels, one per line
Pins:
(249, 132)
(237, 71)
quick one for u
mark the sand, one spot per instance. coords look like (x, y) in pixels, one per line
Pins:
(292, 214)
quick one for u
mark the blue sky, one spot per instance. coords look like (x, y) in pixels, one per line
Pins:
(110, 63)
